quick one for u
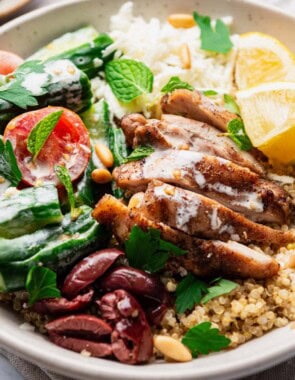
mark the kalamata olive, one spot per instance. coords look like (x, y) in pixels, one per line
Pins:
(89, 270)
(135, 281)
(81, 326)
(96, 349)
(62, 305)
(132, 340)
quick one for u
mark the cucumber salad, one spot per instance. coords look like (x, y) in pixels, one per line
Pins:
(139, 218)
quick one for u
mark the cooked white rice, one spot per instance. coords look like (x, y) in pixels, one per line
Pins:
(157, 45)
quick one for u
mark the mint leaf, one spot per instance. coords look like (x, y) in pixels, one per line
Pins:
(237, 133)
(8, 165)
(202, 339)
(222, 286)
(139, 153)
(128, 79)
(210, 93)
(41, 131)
(217, 40)
(189, 292)
(176, 83)
(147, 251)
(28, 67)
(230, 104)
(41, 284)
(65, 179)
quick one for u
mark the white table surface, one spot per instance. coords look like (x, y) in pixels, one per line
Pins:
(7, 372)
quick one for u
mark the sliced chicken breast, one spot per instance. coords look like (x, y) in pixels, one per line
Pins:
(202, 217)
(182, 133)
(194, 105)
(232, 185)
(203, 258)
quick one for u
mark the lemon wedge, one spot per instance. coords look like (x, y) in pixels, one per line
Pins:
(268, 112)
(262, 59)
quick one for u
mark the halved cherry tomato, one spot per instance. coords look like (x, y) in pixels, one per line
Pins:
(68, 145)
(9, 62)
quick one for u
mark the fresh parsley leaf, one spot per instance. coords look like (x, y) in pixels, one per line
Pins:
(41, 283)
(147, 251)
(64, 177)
(189, 292)
(8, 165)
(34, 66)
(139, 153)
(236, 131)
(222, 286)
(16, 94)
(128, 79)
(218, 39)
(202, 339)
(230, 104)
(210, 93)
(176, 83)
(41, 131)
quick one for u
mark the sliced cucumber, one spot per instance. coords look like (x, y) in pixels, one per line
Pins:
(66, 42)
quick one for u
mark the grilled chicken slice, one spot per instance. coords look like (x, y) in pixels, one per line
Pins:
(232, 185)
(203, 258)
(182, 133)
(194, 105)
(202, 217)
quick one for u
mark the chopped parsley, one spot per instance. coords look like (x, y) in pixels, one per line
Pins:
(139, 153)
(202, 339)
(213, 39)
(147, 251)
(236, 131)
(41, 284)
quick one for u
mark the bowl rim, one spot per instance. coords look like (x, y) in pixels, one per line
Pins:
(48, 359)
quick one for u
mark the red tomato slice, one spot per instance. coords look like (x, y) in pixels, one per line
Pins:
(68, 145)
(9, 62)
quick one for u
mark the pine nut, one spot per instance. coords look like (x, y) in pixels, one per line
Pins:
(291, 262)
(179, 20)
(172, 348)
(135, 200)
(185, 56)
(105, 155)
(101, 176)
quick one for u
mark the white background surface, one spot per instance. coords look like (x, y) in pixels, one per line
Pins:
(7, 372)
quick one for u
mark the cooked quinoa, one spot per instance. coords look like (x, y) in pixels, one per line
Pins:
(249, 311)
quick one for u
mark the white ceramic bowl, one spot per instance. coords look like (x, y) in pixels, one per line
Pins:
(27, 33)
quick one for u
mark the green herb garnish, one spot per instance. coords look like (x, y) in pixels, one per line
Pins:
(218, 39)
(14, 91)
(147, 251)
(8, 165)
(230, 104)
(176, 83)
(128, 79)
(210, 93)
(236, 131)
(139, 153)
(191, 291)
(202, 339)
(64, 177)
(221, 286)
(41, 283)
(40, 133)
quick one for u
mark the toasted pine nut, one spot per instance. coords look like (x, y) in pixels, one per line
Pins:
(105, 155)
(176, 174)
(169, 190)
(2, 179)
(172, 348)
(179, 20)
(185, 56)
(101, 176)
(291, 262)
(135, 200)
